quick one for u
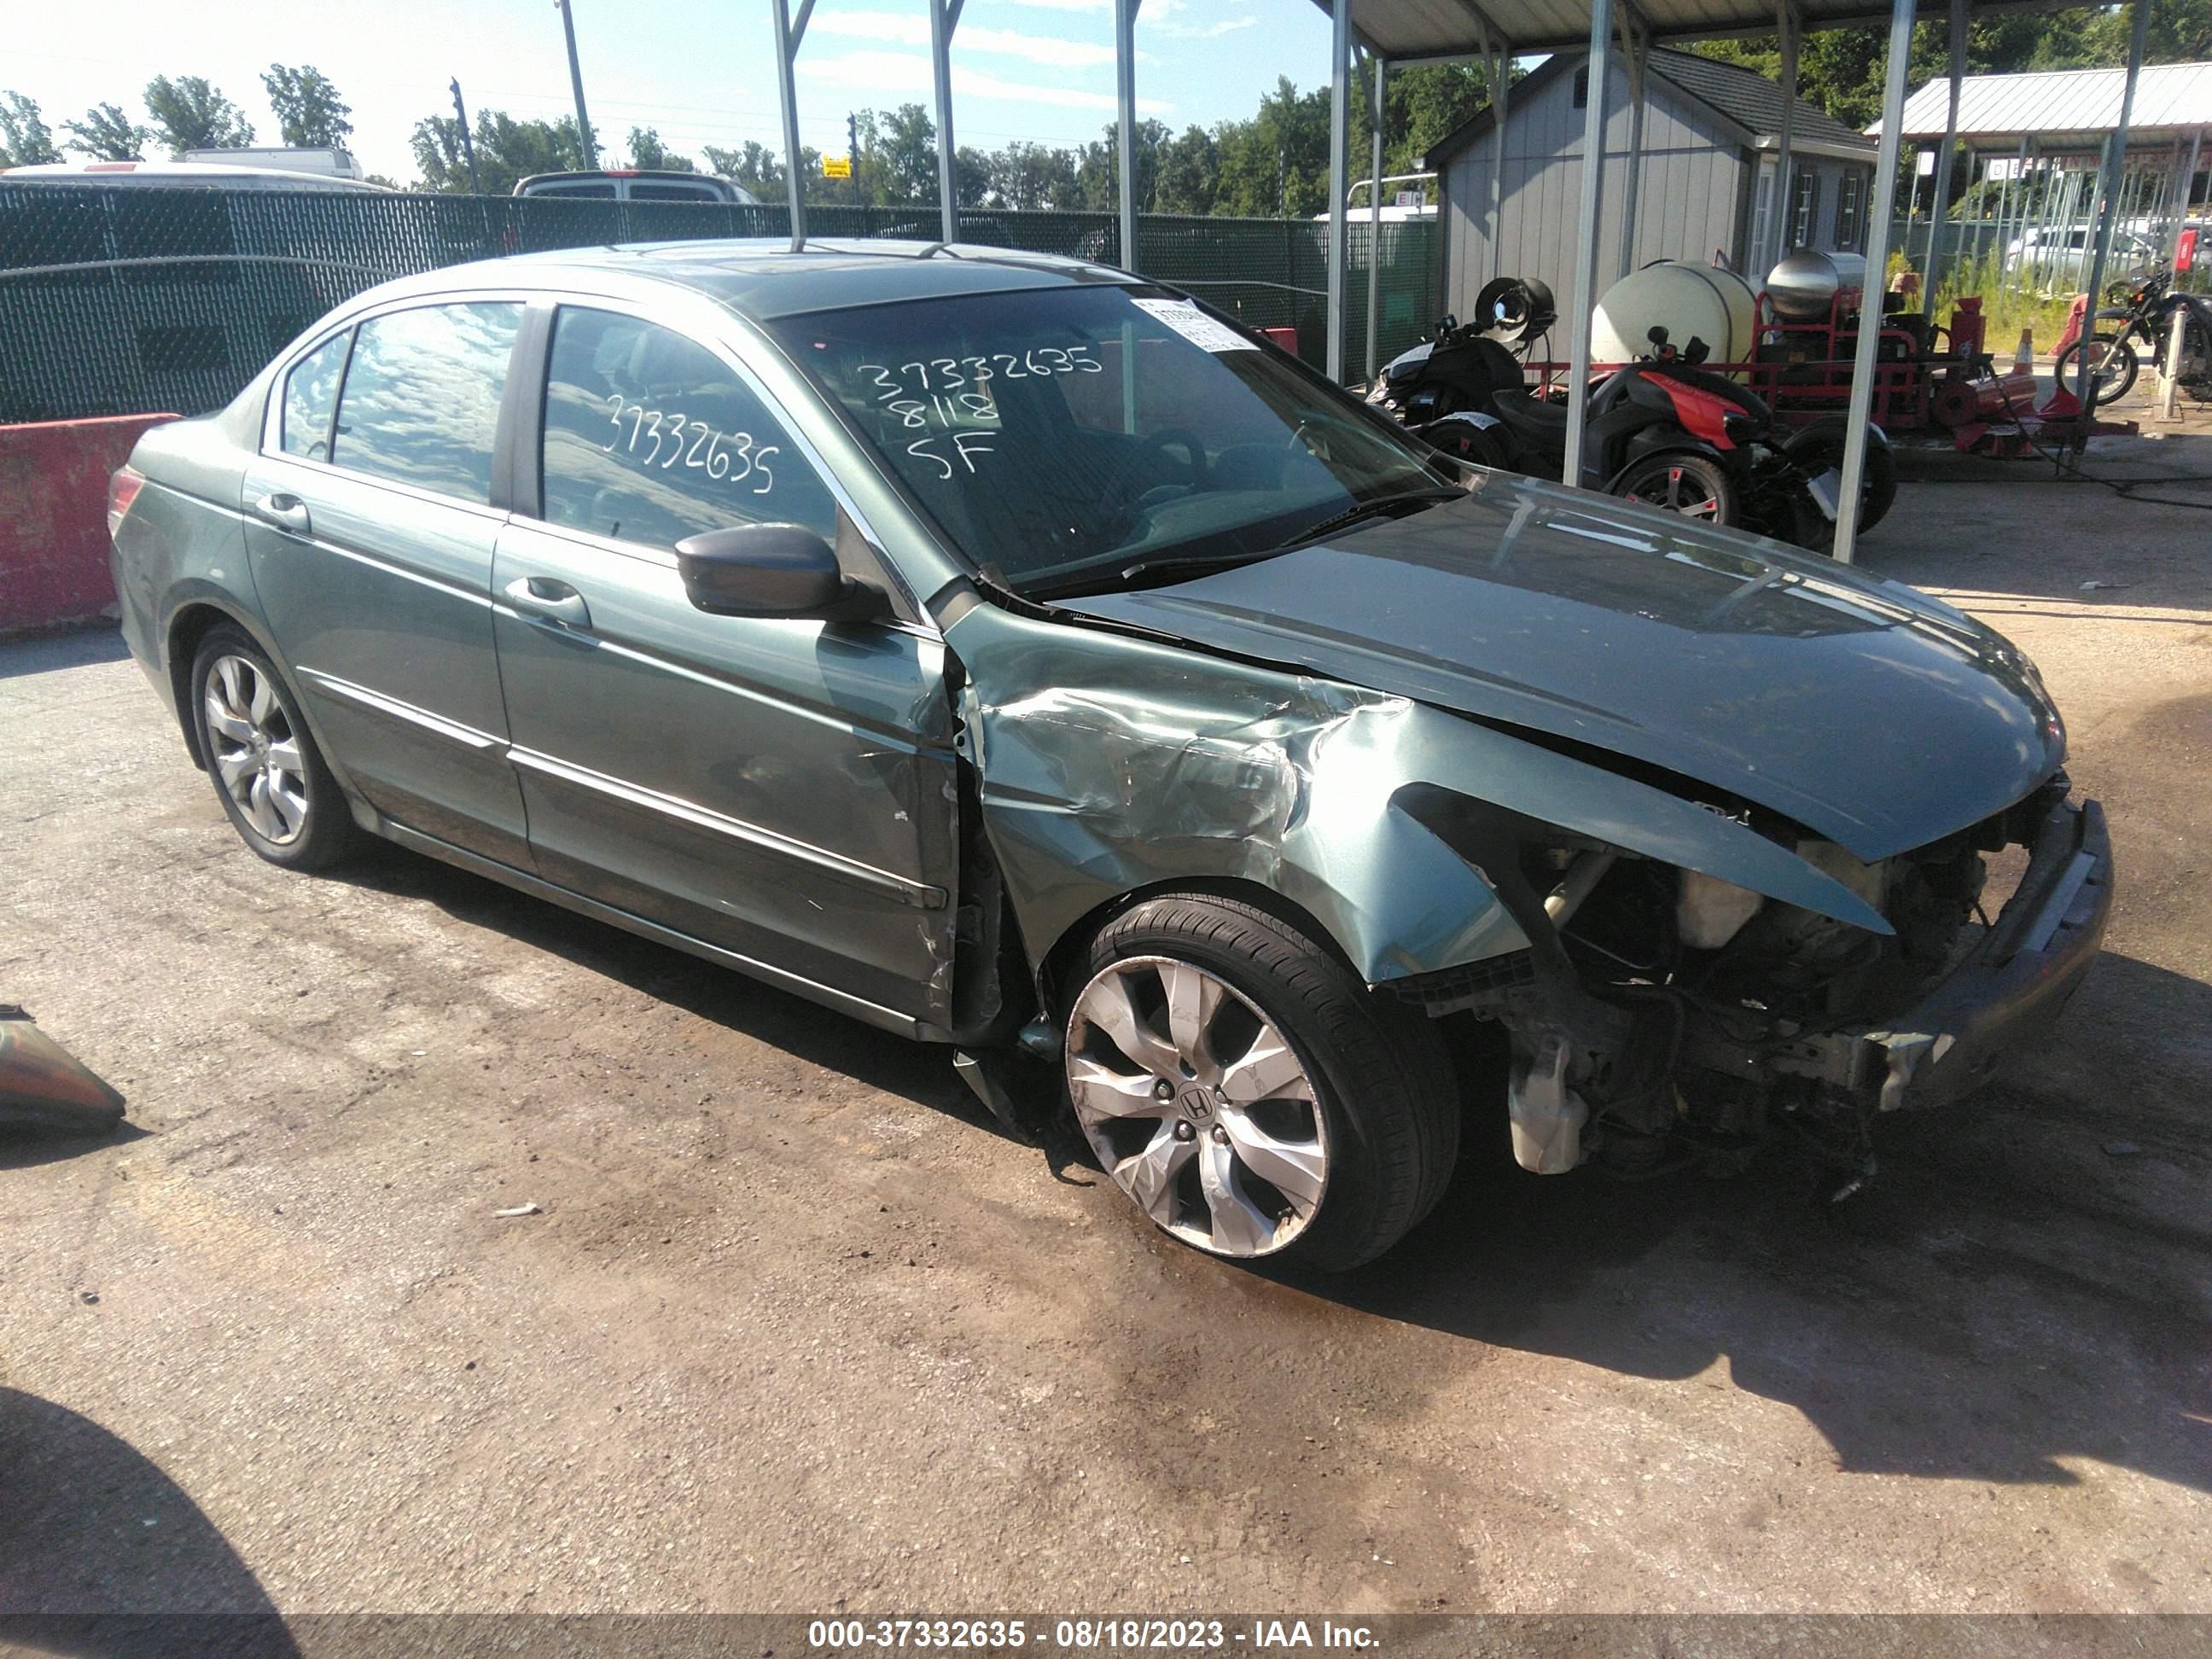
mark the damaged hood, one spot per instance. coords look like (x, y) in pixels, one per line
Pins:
(1868, 713)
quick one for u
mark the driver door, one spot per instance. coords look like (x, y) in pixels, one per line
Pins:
(783, 789)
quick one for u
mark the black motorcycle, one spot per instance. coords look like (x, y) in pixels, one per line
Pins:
(1663, 430)
(2151, 311)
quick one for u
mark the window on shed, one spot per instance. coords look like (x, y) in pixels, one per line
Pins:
(1848, 201)
(1582, 87)
(1802, 207)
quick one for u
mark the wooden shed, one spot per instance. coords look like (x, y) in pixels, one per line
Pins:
(1710, 130)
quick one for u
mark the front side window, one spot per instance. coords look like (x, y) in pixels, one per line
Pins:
(1063, 435)
(311, 396)
(650, 438)
(420, 404)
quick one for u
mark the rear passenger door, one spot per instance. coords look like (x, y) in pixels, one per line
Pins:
(371, 527)
(780, 788)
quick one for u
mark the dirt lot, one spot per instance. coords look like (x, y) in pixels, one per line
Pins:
(799, 1330)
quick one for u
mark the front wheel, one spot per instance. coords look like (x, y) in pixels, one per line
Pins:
(1246, 1090)
(1691, 485)
(2112, 364)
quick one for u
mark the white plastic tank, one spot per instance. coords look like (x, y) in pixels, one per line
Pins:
(1690, 302)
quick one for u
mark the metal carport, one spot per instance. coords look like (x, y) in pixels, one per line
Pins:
(1494, 32)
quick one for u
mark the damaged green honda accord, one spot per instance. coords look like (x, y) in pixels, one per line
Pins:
(1019, 656)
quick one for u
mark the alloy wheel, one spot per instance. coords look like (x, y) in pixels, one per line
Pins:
(1678, 490)
(256, 755)
(1197, 1105)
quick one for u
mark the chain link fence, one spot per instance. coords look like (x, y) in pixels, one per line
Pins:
(120, 300)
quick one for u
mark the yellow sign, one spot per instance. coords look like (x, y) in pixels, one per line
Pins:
(837, 166)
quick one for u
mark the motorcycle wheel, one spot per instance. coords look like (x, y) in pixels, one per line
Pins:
(1465, 442)
(1691, 485)
(2114, 367)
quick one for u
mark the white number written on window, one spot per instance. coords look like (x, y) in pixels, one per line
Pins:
(661, 440)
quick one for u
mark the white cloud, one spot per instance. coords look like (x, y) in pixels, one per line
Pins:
(884, 73)
(905, 29)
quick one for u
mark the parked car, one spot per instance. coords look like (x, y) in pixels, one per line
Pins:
(182, 175)
(1024, 658)
(636, 185)
(2057, 256)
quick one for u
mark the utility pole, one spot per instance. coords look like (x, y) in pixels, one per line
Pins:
(576, 85)
(468, 144)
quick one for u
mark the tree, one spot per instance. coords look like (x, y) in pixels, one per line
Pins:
(755, 166)
(507, 150)
(25, 138)
(1277, 163)
(1026, 176)
(309, 113)
(106, 134)
(1098, 167)
(189, 113)
(646, 151)
(1190, 173)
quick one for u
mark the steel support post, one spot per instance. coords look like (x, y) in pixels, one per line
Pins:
(2116, 154)
(1945, 154)
(1379, 69)
(1636, 50)
(1869, 338)
(1125, 86)
(2181, 211)
(944, 18)
(576, 85)
(1777, 224)
(1339, 139)
(1497, 66)
(1586, 224)
(789, 32)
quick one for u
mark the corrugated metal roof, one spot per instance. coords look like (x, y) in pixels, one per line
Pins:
(1405, 29)
(2051, 104)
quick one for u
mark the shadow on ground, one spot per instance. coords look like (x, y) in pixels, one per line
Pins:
(92, 1533)
(2009, 1295)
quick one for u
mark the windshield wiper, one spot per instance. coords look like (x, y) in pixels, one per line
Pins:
(1369, 508)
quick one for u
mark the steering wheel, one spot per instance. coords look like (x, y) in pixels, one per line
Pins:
(1171, 437)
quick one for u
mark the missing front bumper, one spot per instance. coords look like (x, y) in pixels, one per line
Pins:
(2006, 992)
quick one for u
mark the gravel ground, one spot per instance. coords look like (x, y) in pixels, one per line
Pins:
(797, 1329)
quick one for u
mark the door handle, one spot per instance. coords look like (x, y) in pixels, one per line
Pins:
(551, 599)
(286, 511)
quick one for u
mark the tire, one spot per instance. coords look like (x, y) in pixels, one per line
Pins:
(1677, 481)
(273, 783)
(1464, 441)
(1820, 444)
(2115, 376)
(1343, 1098)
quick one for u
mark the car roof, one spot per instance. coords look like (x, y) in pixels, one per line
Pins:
(760, 277)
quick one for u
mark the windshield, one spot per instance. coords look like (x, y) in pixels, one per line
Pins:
(1069, 438)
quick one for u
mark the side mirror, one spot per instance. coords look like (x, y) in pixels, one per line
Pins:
(766, 570)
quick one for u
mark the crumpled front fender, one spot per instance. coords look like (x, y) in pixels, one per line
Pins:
(1108, 763)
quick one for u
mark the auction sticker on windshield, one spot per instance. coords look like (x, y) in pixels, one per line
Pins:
(1194, 325)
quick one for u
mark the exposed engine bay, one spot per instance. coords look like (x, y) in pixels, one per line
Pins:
(1671, 1019)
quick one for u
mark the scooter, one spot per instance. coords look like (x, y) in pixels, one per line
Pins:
(1663, 430)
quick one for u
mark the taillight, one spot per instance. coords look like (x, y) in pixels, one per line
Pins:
(123, 487)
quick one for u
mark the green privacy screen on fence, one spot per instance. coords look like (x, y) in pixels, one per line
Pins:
(126, 299)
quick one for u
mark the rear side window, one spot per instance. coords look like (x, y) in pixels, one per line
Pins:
(674, 193)
(311, 396)
(421, 404)
(650, 437)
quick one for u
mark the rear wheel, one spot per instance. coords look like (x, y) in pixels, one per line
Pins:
(271, 780)
(2112, 364)
(1818, 448)
(1249, 1094)
(1691, 485)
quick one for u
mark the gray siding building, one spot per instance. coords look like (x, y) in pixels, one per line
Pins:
(1710, 130)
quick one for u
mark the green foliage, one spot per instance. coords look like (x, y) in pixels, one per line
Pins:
(106, 134)
(25, 139)
(310, 114)
(646, 151)
(507, 150)
(189, 113)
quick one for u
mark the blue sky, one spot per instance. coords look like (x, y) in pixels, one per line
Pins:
(699, 71)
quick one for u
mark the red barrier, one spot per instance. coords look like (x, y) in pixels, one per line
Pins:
(53, 518)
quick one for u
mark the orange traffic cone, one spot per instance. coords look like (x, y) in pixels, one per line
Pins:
(2023, 358)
